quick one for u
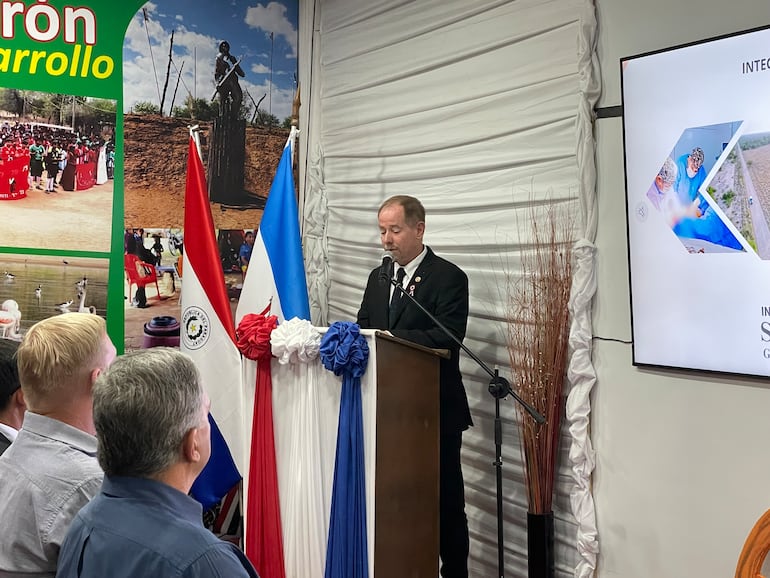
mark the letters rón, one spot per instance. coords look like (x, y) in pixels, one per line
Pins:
(44, 23)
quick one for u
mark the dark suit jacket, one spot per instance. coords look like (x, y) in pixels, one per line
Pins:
(5, 443)
(442, 288)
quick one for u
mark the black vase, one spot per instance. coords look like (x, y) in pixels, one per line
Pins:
(540, 545)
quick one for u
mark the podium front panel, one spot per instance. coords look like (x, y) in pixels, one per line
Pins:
(407, 462)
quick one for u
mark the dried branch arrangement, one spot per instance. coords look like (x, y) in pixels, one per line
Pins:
(538, 331)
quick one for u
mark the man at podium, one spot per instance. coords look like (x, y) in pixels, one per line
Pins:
(442, 289)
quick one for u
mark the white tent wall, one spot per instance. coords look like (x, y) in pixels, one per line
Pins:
(682, 471)
(680, 477)
(475, 108)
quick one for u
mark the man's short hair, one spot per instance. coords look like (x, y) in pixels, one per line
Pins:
(697, 157)
(144, 404)
(9, 372)
(668, 171)
(57, 350)
(414, 212)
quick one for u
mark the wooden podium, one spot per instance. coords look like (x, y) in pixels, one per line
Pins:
(400, 406)
(407, 464)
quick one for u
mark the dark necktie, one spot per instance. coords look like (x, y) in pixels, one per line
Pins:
(396, 297)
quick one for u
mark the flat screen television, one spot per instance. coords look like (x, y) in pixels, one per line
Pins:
(696, 129)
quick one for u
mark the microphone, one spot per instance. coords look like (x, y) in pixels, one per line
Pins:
(385, 275)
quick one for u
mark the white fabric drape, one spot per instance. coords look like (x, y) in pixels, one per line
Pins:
(581, 374)
(297, 425)
(478, 109)
(306, 405)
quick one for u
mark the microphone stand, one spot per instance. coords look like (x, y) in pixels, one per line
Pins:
(499, 388)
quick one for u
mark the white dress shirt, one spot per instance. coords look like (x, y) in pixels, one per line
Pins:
(8, 432)
(411, 269)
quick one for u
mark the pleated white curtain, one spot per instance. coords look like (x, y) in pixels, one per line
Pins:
(479, 109)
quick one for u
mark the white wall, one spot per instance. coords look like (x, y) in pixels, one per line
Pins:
(683, 459)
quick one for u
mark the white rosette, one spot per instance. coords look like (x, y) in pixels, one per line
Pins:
(294, 341)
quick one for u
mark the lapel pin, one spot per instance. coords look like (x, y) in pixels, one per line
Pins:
(417, 279)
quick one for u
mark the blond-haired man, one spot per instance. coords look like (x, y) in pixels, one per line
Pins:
(51, 470)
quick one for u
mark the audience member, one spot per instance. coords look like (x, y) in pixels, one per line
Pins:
(51, 471)
(11, 398)
(151, 418)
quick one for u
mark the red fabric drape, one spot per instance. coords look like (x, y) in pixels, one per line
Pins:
(264, 538)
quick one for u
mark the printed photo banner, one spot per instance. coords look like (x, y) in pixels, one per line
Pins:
(98, 102)
(95, 103)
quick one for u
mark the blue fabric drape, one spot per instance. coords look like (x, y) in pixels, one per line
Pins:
(220, 473)
(345, 352)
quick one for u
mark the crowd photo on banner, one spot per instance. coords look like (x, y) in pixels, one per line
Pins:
(57, 170)
(37, 154)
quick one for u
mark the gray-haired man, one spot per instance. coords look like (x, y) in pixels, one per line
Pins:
(150, 412)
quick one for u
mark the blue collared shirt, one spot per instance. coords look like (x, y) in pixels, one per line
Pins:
(141, 527)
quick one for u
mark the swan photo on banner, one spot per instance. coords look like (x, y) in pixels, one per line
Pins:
(34, 287)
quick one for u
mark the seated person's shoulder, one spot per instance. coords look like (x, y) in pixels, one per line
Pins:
(222, 559)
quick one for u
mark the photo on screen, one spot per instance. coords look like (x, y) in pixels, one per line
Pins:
(696, 131)
(683, 195)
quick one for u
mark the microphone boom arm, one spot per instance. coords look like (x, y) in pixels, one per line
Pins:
(499, 387)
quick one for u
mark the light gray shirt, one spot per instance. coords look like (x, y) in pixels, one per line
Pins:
(46, 476)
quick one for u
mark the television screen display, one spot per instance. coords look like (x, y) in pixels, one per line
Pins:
(696, 124)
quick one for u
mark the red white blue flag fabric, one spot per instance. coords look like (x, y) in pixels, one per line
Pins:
(208, 336)
(275, 285)
(276, 273)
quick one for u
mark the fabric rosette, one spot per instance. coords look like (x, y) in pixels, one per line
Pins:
(254, 332)
(344, 350)
(294, 341)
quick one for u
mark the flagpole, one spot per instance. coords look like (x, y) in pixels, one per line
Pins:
(293, 136)
(195, 135)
